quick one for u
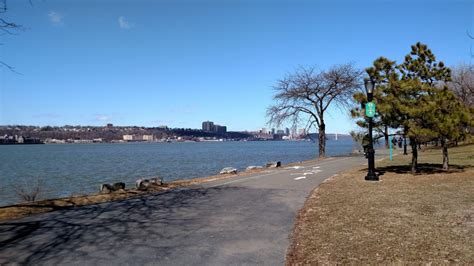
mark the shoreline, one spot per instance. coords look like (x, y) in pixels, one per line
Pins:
(20, 210)
(60, 174)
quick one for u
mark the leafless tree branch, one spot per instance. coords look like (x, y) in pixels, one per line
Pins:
(7, 28)
(12, 69)
(469, 34)
(462, 84)
(310, 92)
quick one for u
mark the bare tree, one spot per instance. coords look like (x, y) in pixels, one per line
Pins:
(462, 84)
(29, 191)
(7, 28)
(306, 95)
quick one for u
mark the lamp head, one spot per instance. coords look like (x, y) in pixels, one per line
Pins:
(369, 85)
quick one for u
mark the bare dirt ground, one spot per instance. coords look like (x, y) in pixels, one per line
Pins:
(404, 218)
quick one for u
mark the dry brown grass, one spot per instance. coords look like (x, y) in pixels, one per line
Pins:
(426, 218)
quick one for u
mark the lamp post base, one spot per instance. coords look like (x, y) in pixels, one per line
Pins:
(371, 177)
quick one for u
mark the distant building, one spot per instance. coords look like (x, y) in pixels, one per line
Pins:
(128, 137)
(277, 136)
(287, 131)
(148, 138)
(82, 141)
(220, 129)
(280, 132)
(138, 137)
(6, 139)
(208, 126)
(110, 125)
(273, 131)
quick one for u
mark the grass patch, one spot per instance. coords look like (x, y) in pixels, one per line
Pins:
(430, 160)
(426, 218)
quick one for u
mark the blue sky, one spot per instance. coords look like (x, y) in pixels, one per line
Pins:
(179, 62)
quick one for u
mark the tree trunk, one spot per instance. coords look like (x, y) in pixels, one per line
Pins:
(322, 140)
(405, 131)
(414, 156)
(405, 146)
(445, 154)
(385, 134)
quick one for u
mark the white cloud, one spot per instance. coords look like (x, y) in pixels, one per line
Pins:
(55, 17)
(103, 118)
(98, 117)
(124, 24)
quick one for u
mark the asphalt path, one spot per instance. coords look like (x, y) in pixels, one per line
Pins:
(241, 220)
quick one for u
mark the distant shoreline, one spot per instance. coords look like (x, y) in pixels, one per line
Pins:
(22, 143)
(172, 141)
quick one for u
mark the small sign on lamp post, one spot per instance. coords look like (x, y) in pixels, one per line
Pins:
(370, 109)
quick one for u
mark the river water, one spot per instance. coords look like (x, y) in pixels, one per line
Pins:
(74, 169)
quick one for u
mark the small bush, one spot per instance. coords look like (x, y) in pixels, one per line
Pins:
(29, 191)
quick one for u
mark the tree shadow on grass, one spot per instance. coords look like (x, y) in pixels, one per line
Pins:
(423, 169)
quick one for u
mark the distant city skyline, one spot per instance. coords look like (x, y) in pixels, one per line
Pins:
(274, 130)
(178, 63)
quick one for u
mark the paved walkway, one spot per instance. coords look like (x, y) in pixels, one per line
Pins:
(243, 220)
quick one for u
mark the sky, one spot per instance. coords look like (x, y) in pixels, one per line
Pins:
(181, 62)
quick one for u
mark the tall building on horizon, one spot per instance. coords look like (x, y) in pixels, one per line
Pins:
(220, 129)
(208, 126)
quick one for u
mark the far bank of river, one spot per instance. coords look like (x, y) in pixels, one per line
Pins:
(71, 169)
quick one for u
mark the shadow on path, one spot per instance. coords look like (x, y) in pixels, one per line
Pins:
(152, 228)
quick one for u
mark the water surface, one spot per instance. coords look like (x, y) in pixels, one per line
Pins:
(72, 169)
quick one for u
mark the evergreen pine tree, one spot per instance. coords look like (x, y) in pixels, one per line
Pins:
(408, 97)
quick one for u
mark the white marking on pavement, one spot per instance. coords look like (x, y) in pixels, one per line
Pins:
(310, 173)
(316, 167)
(295, 167)
(301, 177)
(277, 171)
